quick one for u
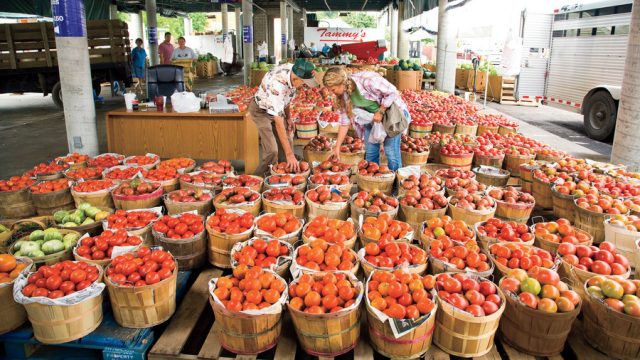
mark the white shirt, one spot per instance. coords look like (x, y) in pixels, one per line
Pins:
(181, 54)
(292, 44)
(263, 50)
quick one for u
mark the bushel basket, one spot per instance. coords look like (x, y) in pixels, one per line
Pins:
(382, 183)
(189, 253)
(12, 314)
(145, 201)
(219, 245)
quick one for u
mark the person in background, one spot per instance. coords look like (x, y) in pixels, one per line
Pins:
(138, 58)
(183, 52)
(325, 49)
(292, 47)
(371, 96)
(165, 49)
(270, 112)
(313, 49)
(263, 51)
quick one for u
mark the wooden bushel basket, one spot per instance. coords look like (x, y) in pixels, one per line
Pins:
(415, 217)
(533, 331)
(338, 211)
(132, 202)
(252, 207)
(471, 216)
(438, 266)
(352, 159)
(460, 161)
(513, 162)
(357, 212)
(443, 128)
(101, 199)
(376, 183)
(466, 129)
(318, 156)
(514, 212)
(219, 245)
(591, 222)
(542, 193)
(614, 333)
(500, 178)
(246, 334)
(414, 158)
(329, 335)
(368, 268)
(413, 345)
(487, 128)
(579, 277)
(176, 207)
(623, 239)
(16, 204)
(168, 185)
(306, 131)
(54, 258)
(562, 205)
(488, 160)
(143, 306)
(296, 210)
(462, 334)
(281, 267)
(504, 130)
(12, 314)
(419, 131)
(189, 253)
(47, 204)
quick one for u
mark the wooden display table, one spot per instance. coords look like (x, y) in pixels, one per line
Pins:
(201, 135)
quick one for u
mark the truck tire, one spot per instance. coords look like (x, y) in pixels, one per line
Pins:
(56, 94)
(600, 114)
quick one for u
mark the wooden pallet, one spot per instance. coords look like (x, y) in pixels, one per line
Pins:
(190, 335)
(502, 89)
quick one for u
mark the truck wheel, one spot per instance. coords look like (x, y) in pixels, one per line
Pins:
(600, 116)
(56, 94)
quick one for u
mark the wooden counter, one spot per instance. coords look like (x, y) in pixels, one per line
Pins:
(201, 135)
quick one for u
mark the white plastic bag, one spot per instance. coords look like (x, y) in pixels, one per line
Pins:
(184, 102)
(377, 134)
(362, 117)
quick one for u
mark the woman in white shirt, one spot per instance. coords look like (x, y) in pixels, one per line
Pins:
(263, 51)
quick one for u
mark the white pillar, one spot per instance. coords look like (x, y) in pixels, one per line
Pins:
(394, 31)
(626, 148)
(247, 21)
(290, 27)
(304, 19)
(403, 38)
(113, 12)
(283, 29)
(225, 18)
(446, 55)
(75, 76)
(152, 31)
(136, 25)
(140, 27)
(238, 31)
(188, 26)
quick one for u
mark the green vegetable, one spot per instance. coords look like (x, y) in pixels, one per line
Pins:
(51, 234)
(59, 215)
(92, 212)
(18, 244)
(70, 224)
(69, 243)
(36, 235)
(80, 215)
(71, 237)
(84, 206)
(29, 246)
(3, 228)
(17, 253)
(52, 246)
(87, 221)
(36, 254)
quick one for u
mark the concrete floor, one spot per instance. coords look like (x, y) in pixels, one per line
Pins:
(32, 128)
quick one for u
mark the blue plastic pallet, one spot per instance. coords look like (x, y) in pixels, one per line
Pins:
(114, 341)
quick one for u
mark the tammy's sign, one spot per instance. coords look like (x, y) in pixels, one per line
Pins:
(324, 35)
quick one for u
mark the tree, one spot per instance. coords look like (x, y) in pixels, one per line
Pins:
(327, 15)
(198, 21)
(123, 16)
(173, 25)
(361, 20)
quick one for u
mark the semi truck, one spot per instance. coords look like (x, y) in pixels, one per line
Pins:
(28, 61)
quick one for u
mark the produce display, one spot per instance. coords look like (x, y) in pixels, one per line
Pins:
(177, 163)
(319, 143)
(60, 280)
(374, 202)
(228, 222)
(352, 145)
(319, 255)
(519, 256)
(101, 247)
(400, 295)
(421, 183)
(470, 185)
(241, 181)
(161, 173)
(84, 173)
(505, 231)
(291, 180)
(324, 194)
(602, 204)
(478, 297)
(332, 165)
(281, 168)
(141, 160)
(472, 201)
(262, 253)
(202, 178)
(329, 179)
(236, 195)
(132, 219)
(444, 228)
(618, 294)
(16, 183)
(45, 242)
(511, 195)
(136, 187)
(391, 254)
(413, 145)
(85, 214)
(333, 231)
(560, 231)
(74, 158)
(455, 174)
(122, 172)
(286, 194)
(183, 226)
(385, 228)
(454, 148)
(464, 256)
(249, 289)
(53, 167)
(329, 116)
(278, 225)
(189, 195)
(220, 167)
(241, 96)
(106, 160)
(332, 293)
(542, 291)
(145, 267)
(10, 268)
(602, 259)
(49, 186)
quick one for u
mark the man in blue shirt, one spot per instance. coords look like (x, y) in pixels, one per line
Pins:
(325, 49)
(138, 57)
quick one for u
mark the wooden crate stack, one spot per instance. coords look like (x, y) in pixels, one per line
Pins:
(32, 45)
(502, 89)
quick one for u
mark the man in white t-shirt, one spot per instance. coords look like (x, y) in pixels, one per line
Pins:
(263, 51)
(183, 52)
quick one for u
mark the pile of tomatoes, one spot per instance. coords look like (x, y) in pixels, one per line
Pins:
(16, 183)
(477, 297)
(333, 231)
(249, 289)
(263, 253)
(106, 160)
(603, 259)
(519, 256)
(141, 160)
(286, 194)
(324, 194)
(136, 187)
(389, 254)
(510, 231)
(220, 167)
(101, 247)
(61, 279)
(145, 267)
(542, 291)
(374, 202)
(162, 173)
(323, 293)
(399, 294)
(202, 178)
(84, 173)
(278, 225)
(241, 180)
(461, 255)
(183, 226)
(122, 172)
(177, 163)
(93, 185)
(74, 158)
(49, 186)
(10, 268)
(132, 219)
(319, 255)
(48, 169)
(385, 228)
(228, 222)
(236, 195)
(560, 231)
(447, 228)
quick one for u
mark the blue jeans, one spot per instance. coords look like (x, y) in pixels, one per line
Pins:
(391, 150)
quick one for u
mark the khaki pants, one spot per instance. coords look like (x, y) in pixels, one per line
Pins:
(270, 145)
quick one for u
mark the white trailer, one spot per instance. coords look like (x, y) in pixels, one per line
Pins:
(586, 64)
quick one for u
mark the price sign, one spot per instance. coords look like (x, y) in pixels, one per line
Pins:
(68, 18)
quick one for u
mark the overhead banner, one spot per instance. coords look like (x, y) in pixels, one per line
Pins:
(326, 35)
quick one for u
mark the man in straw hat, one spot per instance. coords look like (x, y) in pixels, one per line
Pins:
(270, 112)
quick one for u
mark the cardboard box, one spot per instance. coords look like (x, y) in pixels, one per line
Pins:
(256, 77)
(409, 80)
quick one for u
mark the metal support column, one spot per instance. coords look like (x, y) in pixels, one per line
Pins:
(446, 55)
(283, 29)
(403, 38)
(225, 18)
(188, 26)
(113, 11)
(247, 37)
(238, 30)
(290, 28)
(72, 50)
(394, 31)
(152, 31)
